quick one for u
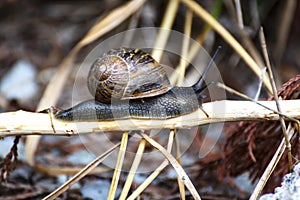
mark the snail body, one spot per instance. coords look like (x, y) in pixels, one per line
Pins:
(129, 83)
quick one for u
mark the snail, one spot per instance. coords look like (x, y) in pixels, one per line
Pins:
(129, 83)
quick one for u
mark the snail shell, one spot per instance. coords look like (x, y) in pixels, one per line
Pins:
(125, 73)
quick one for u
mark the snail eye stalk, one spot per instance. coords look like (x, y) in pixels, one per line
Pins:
(198, 86)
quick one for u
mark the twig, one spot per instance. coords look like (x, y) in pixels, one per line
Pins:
(285, 23)
(118, 167)
(163, 35)
(29, 123)
(133, 23)
(239, 14)
(245, 37)
(263, 72)
(185, 46)
(68, 171)
(201, 12)
(194, 49)
(80, 174)
(287, 142)
(271, 166)
(233, 91)
(254, 15)
(178, 158)
(156, 172)
(178, 168)
(133, 169)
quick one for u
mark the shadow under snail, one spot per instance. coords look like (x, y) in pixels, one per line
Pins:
(129, 83)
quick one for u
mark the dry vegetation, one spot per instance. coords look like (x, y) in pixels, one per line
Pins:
(56, 36)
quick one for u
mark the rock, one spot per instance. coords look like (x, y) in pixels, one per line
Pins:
(289, 189)
(19, 83)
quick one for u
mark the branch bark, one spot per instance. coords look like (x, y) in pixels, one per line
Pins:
(30, 123)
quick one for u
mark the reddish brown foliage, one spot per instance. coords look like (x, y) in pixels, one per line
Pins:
(9, 162)
(251, 145)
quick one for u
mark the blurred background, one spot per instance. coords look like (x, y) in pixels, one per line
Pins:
(35, 36)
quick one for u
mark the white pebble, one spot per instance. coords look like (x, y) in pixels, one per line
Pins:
(19, 83)
(289, 189)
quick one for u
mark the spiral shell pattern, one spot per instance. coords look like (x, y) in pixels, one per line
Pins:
(125, 73)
